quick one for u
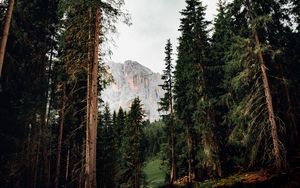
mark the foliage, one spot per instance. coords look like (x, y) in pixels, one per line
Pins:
(132, 146)
(154, 173)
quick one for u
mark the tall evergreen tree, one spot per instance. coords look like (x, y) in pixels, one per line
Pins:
(184, 89)
(166, 106)
(107, 152)
(277, 150)
(81, 60)
(132, 154)
(191, 87)
(220, 45)
(247, 72)
(34, 22)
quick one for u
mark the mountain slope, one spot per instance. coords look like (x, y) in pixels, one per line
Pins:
(131, 80)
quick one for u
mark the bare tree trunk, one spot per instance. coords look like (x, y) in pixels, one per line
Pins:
(279, 163)
(189, 143)
(277, 151)
(46, 129)
(274, 131)
(173, 142)
(89, 75)
(92, 102)
(67, 168)
(137, 174)
(37, 159)
(82, 171)
(214, 146)
(173, 156)
(59, 138)
(5, 32)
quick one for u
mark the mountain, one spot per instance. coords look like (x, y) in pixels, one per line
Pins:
(131, 80)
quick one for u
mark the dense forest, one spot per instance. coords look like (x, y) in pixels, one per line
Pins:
(231, 102)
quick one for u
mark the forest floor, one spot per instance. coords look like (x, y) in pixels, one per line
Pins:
(154, 174)
(261, 179)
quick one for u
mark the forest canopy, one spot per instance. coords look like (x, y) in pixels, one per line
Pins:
(230, 104)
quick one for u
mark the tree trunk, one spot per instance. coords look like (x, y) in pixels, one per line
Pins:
(87, 137)
(279, 163)
(173, 143)
(213, 143)
(274, 132)
(37, 174)
(137, 174)
(189, 143)
(59, 138)
(5, 33)
(291, 111)
(276, 147)
(46, 129)
(67, 168)
(173, 156)
(92, 102)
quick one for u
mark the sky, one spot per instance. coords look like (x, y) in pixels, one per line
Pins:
(153, 23)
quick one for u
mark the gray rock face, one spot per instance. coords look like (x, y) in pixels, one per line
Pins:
(131, 80)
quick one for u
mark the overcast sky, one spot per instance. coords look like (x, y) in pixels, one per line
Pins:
(153, 22)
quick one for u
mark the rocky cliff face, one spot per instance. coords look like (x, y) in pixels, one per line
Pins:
(131, 80)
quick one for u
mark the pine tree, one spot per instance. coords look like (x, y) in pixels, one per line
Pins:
(28, 105)
(166, 106)
(81, 59)
(247, 72)
(220, 45)
(107, 152)
(191, 84)
(278, 153)
(132, 152)
(183, 87)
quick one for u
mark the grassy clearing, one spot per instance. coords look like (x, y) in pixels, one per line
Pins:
(154, 173)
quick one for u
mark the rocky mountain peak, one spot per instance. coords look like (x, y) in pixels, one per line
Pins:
(131, 79)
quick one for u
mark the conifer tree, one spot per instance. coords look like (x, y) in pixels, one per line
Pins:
(220, 45)
(166, 106)
(27, 109)
(107, 150)
(191, 87)
(184, 86)
(81, 60)
(278, 153)
(132, 152)
(248, 72)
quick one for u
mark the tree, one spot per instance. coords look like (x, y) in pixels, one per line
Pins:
(222, 39)
(132, 146)
(92, 107)
(107, 151)
(274, 129)
(193, 103)
(5, 33)
(28, 106)
(60, 135)
(166, 106)
(184, 89)
(83, 54)
(247, 71)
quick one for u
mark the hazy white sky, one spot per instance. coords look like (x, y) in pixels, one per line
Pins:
(153, 22)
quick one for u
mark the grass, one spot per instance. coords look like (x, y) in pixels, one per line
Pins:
(154, 173)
